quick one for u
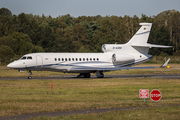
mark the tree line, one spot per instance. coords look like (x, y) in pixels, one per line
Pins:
(28, 33)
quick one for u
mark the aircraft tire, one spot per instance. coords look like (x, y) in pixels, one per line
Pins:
(100, 75)
(87, 75)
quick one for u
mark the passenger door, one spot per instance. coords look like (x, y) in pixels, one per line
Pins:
(39, 61)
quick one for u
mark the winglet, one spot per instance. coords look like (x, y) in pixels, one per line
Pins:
(165, 64)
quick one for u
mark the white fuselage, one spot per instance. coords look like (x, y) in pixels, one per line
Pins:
(64, 62)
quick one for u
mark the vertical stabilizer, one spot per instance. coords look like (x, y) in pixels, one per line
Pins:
(142, 34)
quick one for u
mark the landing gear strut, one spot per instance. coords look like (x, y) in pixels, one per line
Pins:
(30, 73)
(99, 74)
(85, 75)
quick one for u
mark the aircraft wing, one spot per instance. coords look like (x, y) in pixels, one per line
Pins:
(106, 69)
(113, 68)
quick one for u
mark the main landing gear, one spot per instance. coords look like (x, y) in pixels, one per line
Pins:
(30, 73)
(99, 74)
(88, 75)
(85, 75)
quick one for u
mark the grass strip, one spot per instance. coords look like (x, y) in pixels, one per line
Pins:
(164, 113)
(35, 96)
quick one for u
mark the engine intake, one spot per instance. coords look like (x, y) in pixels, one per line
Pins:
(111, 47)
(121, 59)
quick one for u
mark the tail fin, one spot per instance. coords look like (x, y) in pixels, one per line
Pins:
(139, 40)
(137, 44)
(141, 37)
(142, 34)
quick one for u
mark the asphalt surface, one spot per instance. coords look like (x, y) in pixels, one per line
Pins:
(65, 113)
(165, 76)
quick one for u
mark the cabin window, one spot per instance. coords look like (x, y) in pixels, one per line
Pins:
(76, 59)
(55, 59)
(97, 59)
(79, 59)
(23, 58)
(87, 59)
(62, 59)
(83, 59)
(65, 59)
(94, 59)
(69, 59)
(90, 59)
(29, 58)
(72, 59)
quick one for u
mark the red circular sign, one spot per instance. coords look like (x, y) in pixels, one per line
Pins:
(155, 95)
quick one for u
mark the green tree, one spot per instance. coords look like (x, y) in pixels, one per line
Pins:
(6, 22)
(46, 39)
(5, 53)
(160, 36)
(175, 30)
(64, 41)
(68, 20)
(23, 23)
(80, 37)
(5, 12)
(20, 43)
(34, 33)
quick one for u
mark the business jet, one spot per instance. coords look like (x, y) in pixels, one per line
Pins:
(114, 57)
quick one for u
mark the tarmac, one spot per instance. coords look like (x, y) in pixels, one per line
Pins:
(62, 77)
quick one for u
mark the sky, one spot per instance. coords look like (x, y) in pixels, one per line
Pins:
(77, 8)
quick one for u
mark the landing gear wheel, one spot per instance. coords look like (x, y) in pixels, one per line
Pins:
(87, 75)
(80, 75)
(99, 74)
(30, 73)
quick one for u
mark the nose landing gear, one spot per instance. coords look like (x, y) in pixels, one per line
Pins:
(30, 73)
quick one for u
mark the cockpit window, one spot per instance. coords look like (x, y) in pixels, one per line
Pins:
(29, 58)
(23, 58)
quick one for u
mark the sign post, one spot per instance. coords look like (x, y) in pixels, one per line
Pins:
(144, 93)
(51, 86)
(155, 95)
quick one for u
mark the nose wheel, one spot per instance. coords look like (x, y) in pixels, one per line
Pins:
(30, 73)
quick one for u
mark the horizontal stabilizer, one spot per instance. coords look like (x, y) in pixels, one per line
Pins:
(145, 24)
(149, 45)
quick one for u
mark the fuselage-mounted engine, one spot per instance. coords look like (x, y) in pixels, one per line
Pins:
(118, 58)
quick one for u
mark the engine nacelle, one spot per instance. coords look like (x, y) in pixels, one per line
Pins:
(111, 47)
(118, 58)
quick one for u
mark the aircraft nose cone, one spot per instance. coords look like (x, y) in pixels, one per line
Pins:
(10, 65)
(16, 65)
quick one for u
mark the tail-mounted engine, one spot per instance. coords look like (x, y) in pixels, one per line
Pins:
(111, 47)
(118, 58)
